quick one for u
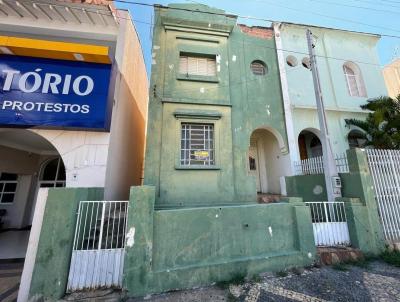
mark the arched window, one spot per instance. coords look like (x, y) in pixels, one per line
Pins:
(258, 67)
(53, 174)
(354, 80)
(356, 139)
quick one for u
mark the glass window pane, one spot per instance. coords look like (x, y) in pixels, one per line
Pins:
(61, 171)
(50, 170)
(7, 198)
(10, 187)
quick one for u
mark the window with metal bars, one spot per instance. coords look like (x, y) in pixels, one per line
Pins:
(8, 187)
(258, 67)
(197, 144)
(197, 65)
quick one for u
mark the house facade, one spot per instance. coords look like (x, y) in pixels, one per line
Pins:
(391, 74)
(216, 122)
(349, 72)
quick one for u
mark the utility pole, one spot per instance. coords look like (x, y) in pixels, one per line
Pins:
(332, 179)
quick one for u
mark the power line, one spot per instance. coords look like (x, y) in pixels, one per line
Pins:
(221, 14)
(356, 6)
(375, 3)
(325, 16)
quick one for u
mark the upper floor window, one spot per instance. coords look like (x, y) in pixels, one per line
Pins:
(8, 187)
(258, 67)
(197, 144)
(197, 65)
(354, 80)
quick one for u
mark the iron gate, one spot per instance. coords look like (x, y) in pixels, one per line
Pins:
(99, 245)
(329, 223)
(384, 166)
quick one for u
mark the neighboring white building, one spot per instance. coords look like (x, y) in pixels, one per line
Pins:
(98, 38)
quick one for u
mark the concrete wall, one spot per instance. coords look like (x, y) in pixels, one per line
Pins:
(307, 187)
(183, 248)
(391, 74)
(333, 48)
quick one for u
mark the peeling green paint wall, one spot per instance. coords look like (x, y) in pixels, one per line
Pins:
(245, 101)
(50, 274)
(182, 248)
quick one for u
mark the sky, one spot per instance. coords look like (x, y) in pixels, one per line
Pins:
(372, 16)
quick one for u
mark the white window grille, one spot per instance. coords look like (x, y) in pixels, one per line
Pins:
(315, 165)
(201, 66)
(8, 187)
(197, 144)
(355, 83)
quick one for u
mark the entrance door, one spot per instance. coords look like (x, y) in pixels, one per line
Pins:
(254, 166)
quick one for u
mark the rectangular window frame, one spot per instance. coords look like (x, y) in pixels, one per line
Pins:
(188, 146)
(186, 76)
(197, 117)
(3, 185)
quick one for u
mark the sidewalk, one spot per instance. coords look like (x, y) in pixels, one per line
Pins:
(374, 281)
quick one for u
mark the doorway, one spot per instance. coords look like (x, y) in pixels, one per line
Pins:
(265, 161)
(309, 145)
(27, 162)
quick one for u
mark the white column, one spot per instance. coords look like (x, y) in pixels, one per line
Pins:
(287, 106)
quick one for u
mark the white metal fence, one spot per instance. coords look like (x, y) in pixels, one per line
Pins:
(99, 245)
(329, 223)
(385, 170)
(315, 165)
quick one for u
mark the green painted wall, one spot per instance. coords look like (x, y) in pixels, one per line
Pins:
(333, 48)
(182, 248)
(50, 274)
(308, 187)
(361, 208)
(244, 101)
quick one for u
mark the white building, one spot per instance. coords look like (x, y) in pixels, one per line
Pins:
(45, 146)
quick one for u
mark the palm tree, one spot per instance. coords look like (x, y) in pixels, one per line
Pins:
(381, 127)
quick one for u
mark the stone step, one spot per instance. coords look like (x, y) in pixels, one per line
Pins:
(268, 198)
(335, 255)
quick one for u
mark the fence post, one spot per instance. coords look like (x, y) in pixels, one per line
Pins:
(363, 216)
(139, 240)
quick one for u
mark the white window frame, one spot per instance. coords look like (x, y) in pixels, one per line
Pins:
(2, 192)
(51, 183)
(210, 69)
(356, 77)
(187, 147)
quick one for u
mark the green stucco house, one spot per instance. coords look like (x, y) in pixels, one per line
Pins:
(216, 132)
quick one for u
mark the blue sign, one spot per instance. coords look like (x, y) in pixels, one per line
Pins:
(54, 93)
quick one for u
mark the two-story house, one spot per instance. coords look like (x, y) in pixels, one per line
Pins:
(349, 72)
